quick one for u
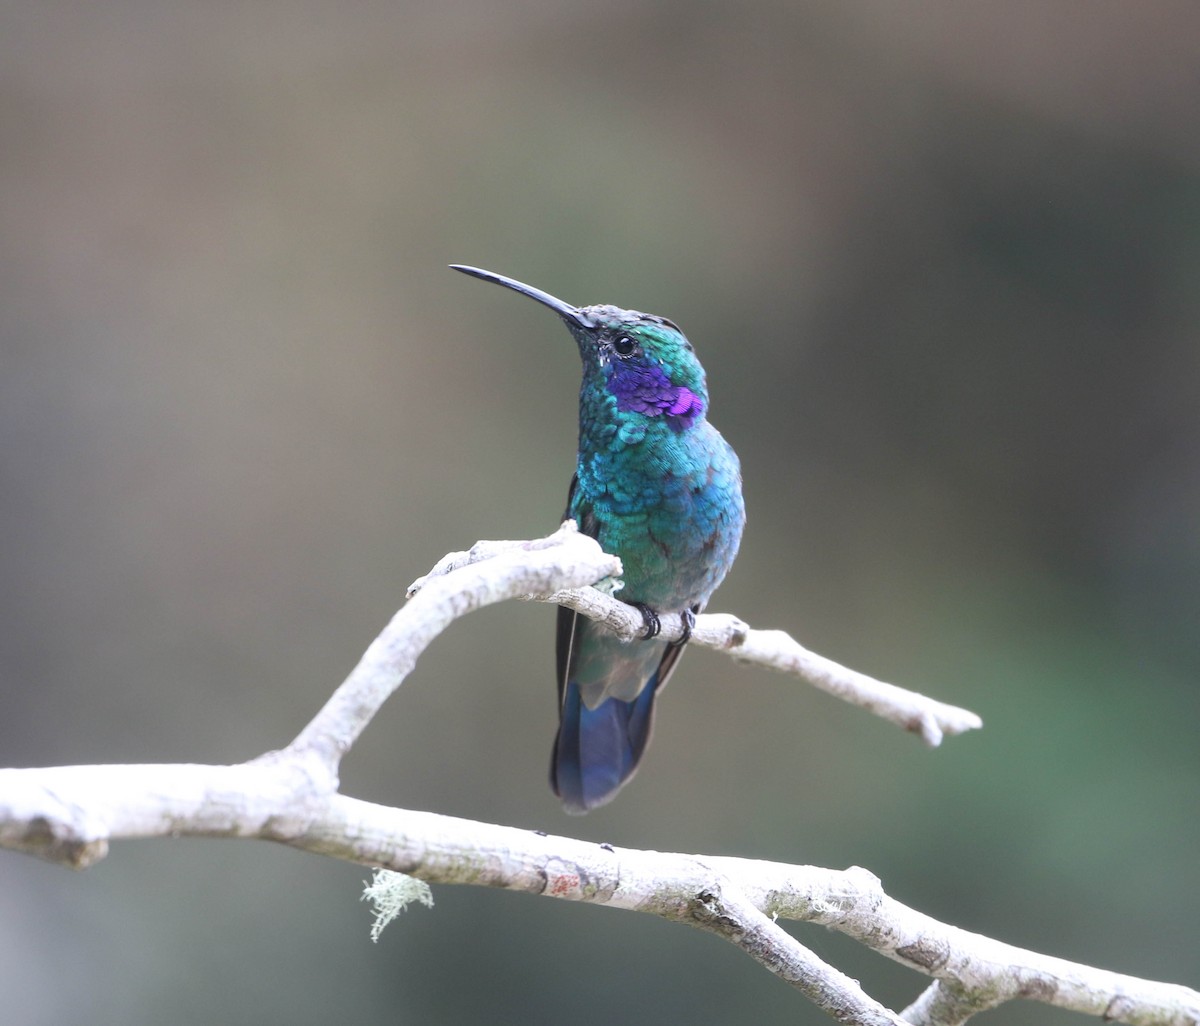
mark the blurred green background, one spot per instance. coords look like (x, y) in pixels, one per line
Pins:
(940, 262)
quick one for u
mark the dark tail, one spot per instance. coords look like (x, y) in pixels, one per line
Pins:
(597, 750)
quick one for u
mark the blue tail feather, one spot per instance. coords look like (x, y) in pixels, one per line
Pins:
(598, 750)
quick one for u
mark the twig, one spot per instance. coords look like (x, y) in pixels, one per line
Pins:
(926, 717)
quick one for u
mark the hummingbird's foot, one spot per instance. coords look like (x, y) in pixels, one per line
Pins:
(650, 620)
(688, 620)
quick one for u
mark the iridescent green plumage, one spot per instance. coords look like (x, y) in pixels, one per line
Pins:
(656, 485)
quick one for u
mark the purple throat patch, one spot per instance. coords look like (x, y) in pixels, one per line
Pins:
(646, 389)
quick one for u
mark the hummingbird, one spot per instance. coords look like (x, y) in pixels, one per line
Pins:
(656, 485)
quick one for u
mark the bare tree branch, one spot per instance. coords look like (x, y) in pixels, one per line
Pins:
(564, 559)
(776, 650)
(70, 814)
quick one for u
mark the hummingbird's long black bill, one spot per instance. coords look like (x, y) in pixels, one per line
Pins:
(565, 310)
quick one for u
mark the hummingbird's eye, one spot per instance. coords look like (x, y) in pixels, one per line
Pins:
(623, 345)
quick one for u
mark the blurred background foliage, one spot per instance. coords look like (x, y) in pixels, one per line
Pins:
(940, 262)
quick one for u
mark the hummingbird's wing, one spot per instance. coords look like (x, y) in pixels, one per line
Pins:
(599, 746)
(564, 636)
(570, 626)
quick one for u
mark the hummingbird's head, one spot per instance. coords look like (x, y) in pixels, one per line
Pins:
(644, 362)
